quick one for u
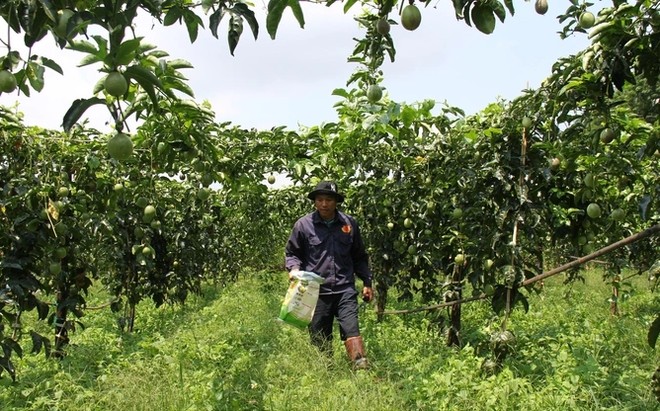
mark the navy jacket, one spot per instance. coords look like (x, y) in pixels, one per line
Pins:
(334, 252)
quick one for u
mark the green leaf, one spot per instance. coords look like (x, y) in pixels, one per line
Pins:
(348, 5)
(193, 22)
(51, 64)
(206, 5)
(243, 10)
(654, 331)
(509, 6)
(42, 310)
(99, 85)
(142, 76)
(49, 10)
(179, 64)
(83, 46)
(172, 16)
(466, 14)
(274, 16)
(340, 92)
(35, 75)
(126, 51)
(519, 298)
(234, 33)
(146, 79)
(77, 109)
(14, 345)
(459, 5)
(214, 21)
(183, 87)
(483, 18)
(6, 364)
(37, 342)
(498, 302)
(145, 47)
(89, 59)
(408, 115)
(499, 11)
(297, 12)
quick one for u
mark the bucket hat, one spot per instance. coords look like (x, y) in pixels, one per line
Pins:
(326, 187)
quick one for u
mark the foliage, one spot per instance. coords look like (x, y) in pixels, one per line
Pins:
(213, 353)
(449, 203)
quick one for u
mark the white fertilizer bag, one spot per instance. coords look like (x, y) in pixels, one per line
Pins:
(300, 299)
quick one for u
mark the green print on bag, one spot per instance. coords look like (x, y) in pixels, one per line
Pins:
(300, 299)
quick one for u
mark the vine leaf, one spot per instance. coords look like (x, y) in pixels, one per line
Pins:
(39, 342)
(243, 10)
(275, 10)
(146, 79)
(498, 301)
(483, 18)
(654, 331)
(77, 109)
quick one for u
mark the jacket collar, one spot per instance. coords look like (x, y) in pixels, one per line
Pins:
(339, 217)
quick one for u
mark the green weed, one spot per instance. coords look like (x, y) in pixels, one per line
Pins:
(225, 350)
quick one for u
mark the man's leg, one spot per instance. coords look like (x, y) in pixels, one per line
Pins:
(347, 316)
(320, 329)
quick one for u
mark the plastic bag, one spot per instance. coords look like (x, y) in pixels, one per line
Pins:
(300, 299)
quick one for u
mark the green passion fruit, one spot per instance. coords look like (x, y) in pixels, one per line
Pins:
(120, 147)
(411, 17)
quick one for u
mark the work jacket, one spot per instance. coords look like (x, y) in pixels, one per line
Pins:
(334, 251)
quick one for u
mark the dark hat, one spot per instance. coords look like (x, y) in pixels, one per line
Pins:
(326, 187)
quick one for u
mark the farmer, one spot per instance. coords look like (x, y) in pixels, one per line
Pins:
(328, 243)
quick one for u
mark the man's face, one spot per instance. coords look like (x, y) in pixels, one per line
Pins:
(326, 205)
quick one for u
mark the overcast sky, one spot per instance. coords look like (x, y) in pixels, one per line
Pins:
(288, 81)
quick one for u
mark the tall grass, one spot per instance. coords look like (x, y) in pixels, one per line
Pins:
(226, 351)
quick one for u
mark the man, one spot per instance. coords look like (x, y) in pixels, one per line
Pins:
(328, 243)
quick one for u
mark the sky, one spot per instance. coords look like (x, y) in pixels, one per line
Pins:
(289, 81)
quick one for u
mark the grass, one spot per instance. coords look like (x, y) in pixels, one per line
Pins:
(225, 350)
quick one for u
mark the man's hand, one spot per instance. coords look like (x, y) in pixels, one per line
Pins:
(367, 294)
(294, 273)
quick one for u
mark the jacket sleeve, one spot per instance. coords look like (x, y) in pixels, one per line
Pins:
(294, 251)
(360, 257)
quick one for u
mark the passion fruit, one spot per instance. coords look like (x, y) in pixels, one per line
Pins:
(411, 17)
(149, 213)
(607, 135)
(459, 259)
(617, 214)
(120, 147)
(541, 6)
(593, 210)
(116, 84)
(203, 194)
(7, 81)
(587, 20)
(383, 26)
(55, 268)
(555, 163)
(589, 180)
(374, 93)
